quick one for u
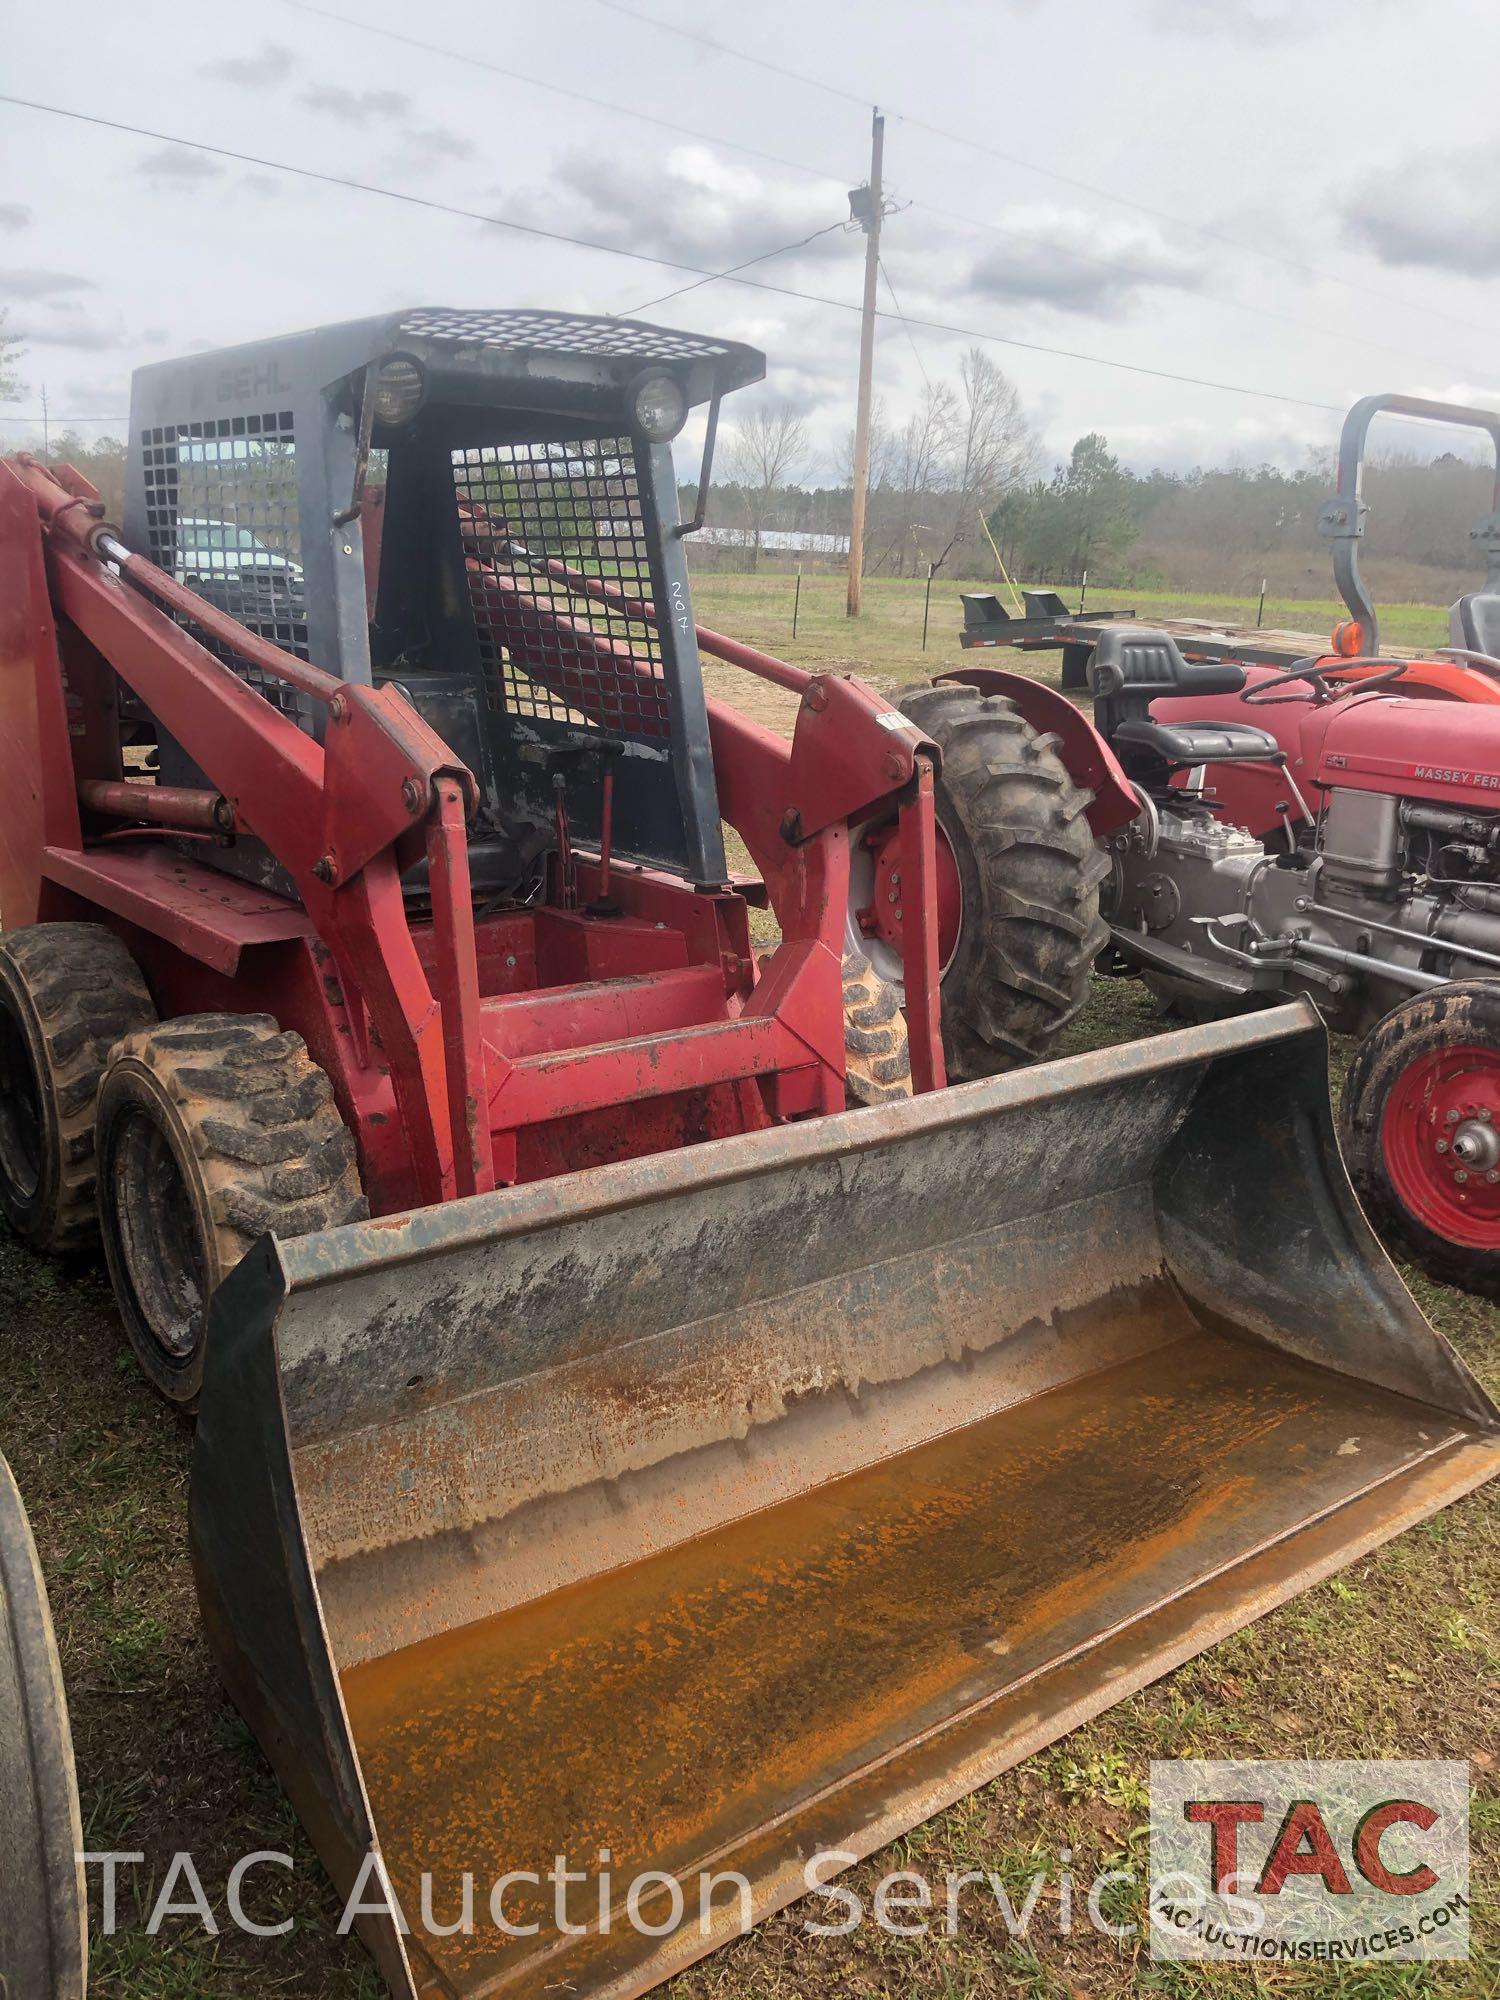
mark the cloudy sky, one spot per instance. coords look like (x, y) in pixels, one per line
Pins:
(1289, 197)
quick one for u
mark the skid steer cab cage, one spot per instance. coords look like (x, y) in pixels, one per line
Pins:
(455, 816)
(726, 1508)
(384, 497)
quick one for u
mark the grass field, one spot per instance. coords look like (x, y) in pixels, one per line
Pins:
(886, 641)
(1398, 1656)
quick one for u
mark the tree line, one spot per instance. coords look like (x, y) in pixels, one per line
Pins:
(961, 482)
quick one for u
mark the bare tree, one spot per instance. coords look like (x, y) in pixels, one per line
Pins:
(993, 450)
(767, 450)
(11, 351)
(882, 450)
(919, 457)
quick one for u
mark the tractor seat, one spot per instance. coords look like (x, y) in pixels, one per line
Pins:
(1474, 623)
(1188, 743)
(1134, 660)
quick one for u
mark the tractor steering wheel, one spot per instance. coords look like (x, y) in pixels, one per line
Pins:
(1316, 678)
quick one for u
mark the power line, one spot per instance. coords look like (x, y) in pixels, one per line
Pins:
(54, 417)
(680, 131)
(1032, 167)
(740, 55)
(915, 350)
(764, 258)
(1341, 334)
(672, 125)
(434, 207)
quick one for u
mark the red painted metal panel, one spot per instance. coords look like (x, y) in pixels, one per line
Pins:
(572, 947)
(209, 916)
(920, 935)
(851, 752)
(579, 1017)
(568, 1081)
(1413, 747)
(36, 763)
(458, 991)
(1446, 751)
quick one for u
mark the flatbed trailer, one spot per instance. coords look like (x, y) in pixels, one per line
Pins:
(1047, 625)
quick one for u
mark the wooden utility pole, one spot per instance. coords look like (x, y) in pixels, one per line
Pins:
(867, 212)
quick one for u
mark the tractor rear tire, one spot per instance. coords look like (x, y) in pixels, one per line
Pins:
(877, 1058)
(212, 1129)
(1029, 870)
(1420, 1125)
(68, 992)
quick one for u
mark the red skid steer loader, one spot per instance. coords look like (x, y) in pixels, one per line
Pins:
(610, 1447)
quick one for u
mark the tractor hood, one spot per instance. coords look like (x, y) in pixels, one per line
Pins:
(1445, 751)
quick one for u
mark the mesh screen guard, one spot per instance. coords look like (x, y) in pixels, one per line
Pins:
(540, 522)
(222, 517)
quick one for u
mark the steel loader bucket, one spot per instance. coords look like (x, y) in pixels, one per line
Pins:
(706, 1512)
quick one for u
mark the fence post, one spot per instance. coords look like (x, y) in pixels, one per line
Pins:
(926, 606)
(796, 600)
(1083, 593)
(1260, 608)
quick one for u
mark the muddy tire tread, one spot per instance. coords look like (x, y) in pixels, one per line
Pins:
(876, 1053)
(86, 993)
(267, 1137)
(1006, 792)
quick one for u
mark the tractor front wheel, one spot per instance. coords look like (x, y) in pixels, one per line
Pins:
(68, 992)
(212, 1129)
(1421, 1131)
(1018, 883)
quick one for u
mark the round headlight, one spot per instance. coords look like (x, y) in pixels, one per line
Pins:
(399, 389)
(658, 407)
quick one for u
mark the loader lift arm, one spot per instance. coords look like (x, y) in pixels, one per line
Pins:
(332, 814)
(346, 817)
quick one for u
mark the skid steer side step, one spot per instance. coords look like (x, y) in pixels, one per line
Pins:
(724, 1507)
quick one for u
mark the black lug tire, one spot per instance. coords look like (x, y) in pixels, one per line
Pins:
(212, 1129)
(877, 1059)
(1467, 1011)
(68, 992)
(1030, 872)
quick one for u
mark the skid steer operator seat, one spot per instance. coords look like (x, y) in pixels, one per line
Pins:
(1130, 668)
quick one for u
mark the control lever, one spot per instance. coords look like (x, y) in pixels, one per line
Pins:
(558, 759)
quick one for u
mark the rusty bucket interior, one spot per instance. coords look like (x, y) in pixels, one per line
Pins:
(43, 1920)
(708, 1512)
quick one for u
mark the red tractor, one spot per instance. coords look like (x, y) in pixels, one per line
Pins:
(1333, 828)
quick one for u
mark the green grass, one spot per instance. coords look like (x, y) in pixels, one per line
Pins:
(885, 641)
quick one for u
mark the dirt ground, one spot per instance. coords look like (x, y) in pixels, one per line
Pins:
(1397, 1657)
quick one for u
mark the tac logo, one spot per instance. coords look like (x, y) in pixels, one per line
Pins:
(1339, 1862)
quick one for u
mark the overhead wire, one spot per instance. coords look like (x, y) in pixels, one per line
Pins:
(431, 205)
(911, 337)
(471, 61)
(765, 257)
(680, 131)
(57, 417)
(1032, 166)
